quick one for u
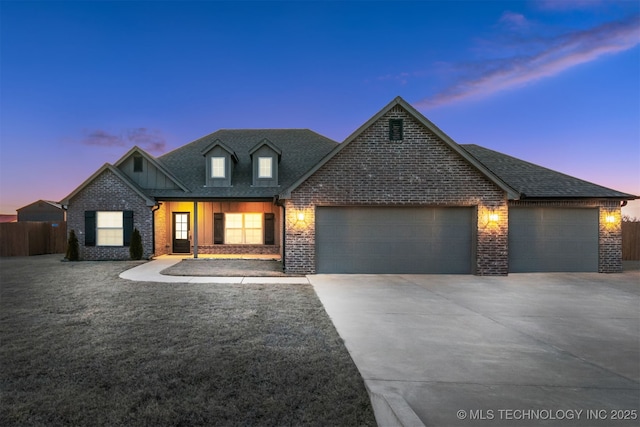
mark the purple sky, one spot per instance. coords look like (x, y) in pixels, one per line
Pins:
(554, 82)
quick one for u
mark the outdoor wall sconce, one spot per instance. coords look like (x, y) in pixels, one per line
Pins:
(610, 219)
(300, 216)
(493, 218)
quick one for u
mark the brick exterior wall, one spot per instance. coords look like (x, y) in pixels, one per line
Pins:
(239, 249)
(610, 238)
(162, 242)
(609, 234)
(420, 170)
(108, 193)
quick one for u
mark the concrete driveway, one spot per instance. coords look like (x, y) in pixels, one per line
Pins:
(529, 349)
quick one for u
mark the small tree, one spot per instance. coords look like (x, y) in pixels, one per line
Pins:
(73, 249)
(135, 249)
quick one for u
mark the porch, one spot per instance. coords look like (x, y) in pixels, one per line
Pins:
(225, 229)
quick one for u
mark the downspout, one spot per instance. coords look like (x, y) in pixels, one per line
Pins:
(153, 227)
(624, 203)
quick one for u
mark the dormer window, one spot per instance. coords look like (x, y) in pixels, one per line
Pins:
(218, 167)
(220, 160)
(265, 167)
(265, 157)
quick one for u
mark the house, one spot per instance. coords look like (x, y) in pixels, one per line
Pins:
(41, 210)
(397, 196)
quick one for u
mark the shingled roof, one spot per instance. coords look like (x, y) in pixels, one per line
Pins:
(533, 181)
(301, 150)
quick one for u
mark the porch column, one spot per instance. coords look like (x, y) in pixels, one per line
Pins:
(195, 229)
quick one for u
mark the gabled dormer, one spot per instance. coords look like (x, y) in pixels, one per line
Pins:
(220, 160)
(148, 172)
(265, 158)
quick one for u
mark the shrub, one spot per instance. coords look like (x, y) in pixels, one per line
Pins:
(73, 249)
(135, 249)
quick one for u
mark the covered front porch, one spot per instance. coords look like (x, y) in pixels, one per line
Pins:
(224, 228)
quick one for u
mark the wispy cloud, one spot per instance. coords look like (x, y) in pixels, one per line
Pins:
(570, 4)
(514, 21)
(102, 138)
(551, 58)
(149, 140)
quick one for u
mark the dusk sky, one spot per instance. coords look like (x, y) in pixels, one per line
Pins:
(553, 82)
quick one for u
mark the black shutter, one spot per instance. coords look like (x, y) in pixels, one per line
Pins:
(218, 228)
(89, 228)
(269, 229)
(127, 225)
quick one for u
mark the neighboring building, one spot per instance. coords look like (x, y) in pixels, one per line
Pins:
(42, 210)
(397, 196)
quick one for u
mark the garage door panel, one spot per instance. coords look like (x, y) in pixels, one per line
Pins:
(393, 240)
(553, 239)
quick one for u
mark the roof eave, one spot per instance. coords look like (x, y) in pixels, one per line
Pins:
(510, 192)
(148, 201)
(155, 162)
(622, 196)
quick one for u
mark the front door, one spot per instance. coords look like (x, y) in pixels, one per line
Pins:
(181, 242)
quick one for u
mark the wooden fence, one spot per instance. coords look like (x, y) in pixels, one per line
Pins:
(33, 238)
(631, 241)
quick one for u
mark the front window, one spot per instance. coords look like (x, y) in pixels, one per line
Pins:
(243, 228)
(217, 167)
(265, 167)
(110, 229)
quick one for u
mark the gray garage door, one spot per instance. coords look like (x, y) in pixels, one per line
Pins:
(553, 239)
(393, 240)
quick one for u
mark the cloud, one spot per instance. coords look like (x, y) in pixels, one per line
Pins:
(551, 58)
(514, 21)
(102, 138)
(149, 140)
(569, 4)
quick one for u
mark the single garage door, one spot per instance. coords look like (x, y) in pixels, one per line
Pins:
(393, 240)
(553, 239)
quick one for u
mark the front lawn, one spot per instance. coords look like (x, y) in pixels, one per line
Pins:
(80, 346)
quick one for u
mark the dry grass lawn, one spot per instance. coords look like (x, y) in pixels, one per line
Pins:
(80, 346)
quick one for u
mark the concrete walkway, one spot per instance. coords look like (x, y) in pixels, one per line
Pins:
(150, 272)
(529, 349)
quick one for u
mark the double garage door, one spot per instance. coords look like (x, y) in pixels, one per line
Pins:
(395, 240)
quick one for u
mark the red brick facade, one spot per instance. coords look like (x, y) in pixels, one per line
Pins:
(422, 167)
(107, 192)
(420, 170)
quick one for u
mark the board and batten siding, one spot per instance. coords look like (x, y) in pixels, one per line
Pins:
(150, 177)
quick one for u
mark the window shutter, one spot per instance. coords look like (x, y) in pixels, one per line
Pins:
(127, 225)
(269, 229)
(218, 228)
(89, 228)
